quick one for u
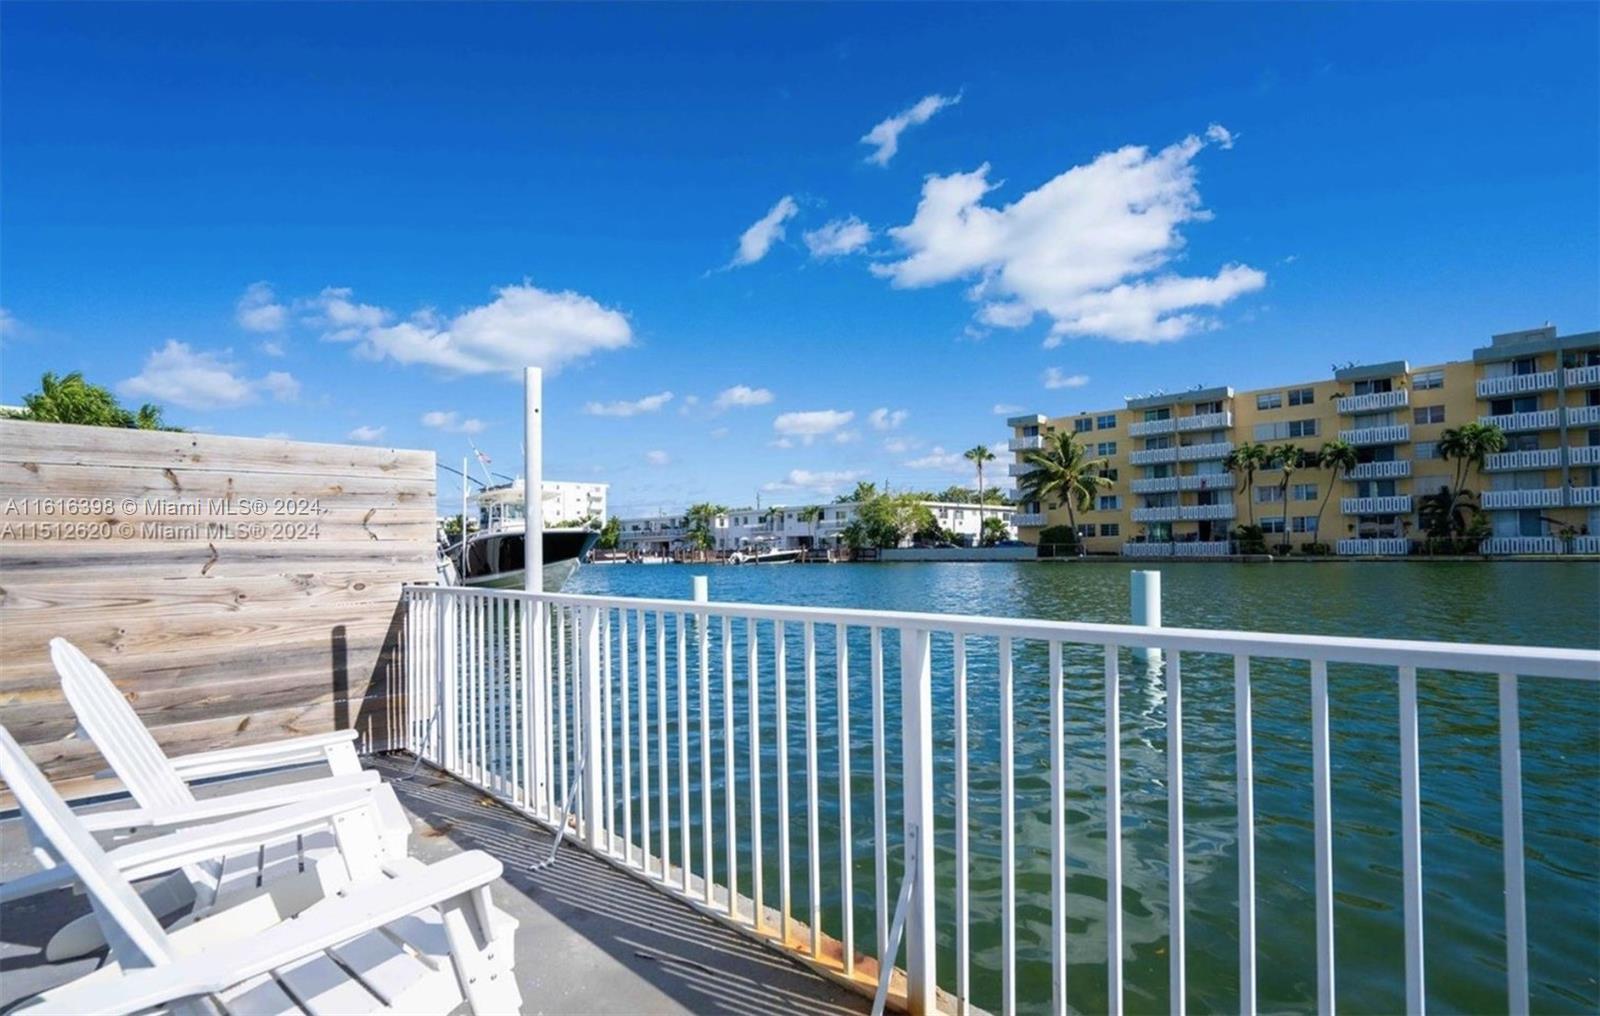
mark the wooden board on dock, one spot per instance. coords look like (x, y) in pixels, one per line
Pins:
(236, 589)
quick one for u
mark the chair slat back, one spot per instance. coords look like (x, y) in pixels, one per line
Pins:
(130, 929)
(116, 730)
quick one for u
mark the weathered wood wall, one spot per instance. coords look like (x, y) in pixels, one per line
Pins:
(236, 589)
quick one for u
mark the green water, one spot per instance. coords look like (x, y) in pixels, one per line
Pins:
(1537, 604)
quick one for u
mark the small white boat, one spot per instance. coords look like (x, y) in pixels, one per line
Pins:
(495, 555)
(760, 554)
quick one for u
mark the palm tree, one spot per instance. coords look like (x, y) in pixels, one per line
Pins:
(1243, 462)
(1470, 445)
(702, 519)
(1287, 458)
(1062, 469)
(1338, 457)
(811, 515)
(979, 454)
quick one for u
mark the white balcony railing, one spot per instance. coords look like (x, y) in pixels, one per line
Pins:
(1534, 497)
(1188, 548)
(1586, 544)
(1521, 545)
(1389, 470)
(1206, 421)
(535, 696)
(1396, 433)
(1374, 401)
(1022, 519)
(1018, 469)
(1200, 452)
(1584, 377)
(1583, 416)
(1393, 504)
(1583, 497)
(1583, 455)
(1205, 512)
(1152, 456)
(1167, 513)
(1396, 546)
(1540, 419)
(1025, 444)
(1150, 428)
(1191, 481)
(1533, 458)
(1155, 484)
(1516, 384)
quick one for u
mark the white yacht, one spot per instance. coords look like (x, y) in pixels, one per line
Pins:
(494, 553)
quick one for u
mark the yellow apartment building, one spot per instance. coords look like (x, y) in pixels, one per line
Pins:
(1171, 495)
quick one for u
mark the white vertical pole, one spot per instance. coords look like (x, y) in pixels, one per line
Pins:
(1176, 974)
(1244, 754)
(1008, 833)
(1322, 823)
(1411, 840)
(1058, 834)
(1113, 835)
(1511, 847)
(594, 819)
(1144, 604)
(533, 479)
(916, 706)
(535, 669)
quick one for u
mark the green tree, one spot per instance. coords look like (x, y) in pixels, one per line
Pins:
(978, 455)
(863, 493)
(610, 534)
(1468, 446)
(702, 519)
(887, 520)
(994, 530)
(71, 399)
(1286, 458)
(811, 515)
(1062, 470)
(1243, 462)
(1339, 458)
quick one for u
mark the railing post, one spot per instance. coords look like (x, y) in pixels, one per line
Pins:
(1144, 595)
(445, 652)
(916, 698)
(593, 819)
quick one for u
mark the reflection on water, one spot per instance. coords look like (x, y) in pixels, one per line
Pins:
(1548, 604)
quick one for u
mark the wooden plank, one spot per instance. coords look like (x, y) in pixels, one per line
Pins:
(200, 557)
(77, 481)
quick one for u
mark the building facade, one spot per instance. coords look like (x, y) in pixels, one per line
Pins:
(571, 500)
(790, 527)
(1171, 494)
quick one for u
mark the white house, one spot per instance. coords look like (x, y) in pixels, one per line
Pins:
(782, 527)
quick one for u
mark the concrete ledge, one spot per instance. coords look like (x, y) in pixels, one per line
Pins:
(959, 554)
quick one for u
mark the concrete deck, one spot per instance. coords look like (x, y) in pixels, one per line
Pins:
(593, 939)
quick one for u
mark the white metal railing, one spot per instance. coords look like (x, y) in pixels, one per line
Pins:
(1541, 419)
(1197, 512)
(1522, 545)
(1394, 433)
(1393, 504)
(1028, 519)
(1152, 456)
(1374, 401)
(1583, 377)
(1532, 458)
(1162, 513)
(664, 709)
(1516, 384)
(1210, 450)
(1583, 455)
(1183, 548)
(1533, 497)
(1583, 416)
(1586, 544)
(1190, 481)
(1396, 546)
(1155, 485)
(1583, 497)
(1206, 421)
(1018, 469)
(1147, 428)
(1026, 444)
(1389, 470)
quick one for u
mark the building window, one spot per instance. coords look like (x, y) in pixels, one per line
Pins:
(1303, 428)
(1206, 408)
(1106, 422)
(1111, 529)
(1110, 502)
(1302, 396)
(1376, 386)
(1428, 414)
(1426, 450)
(1427, 379)
(1110, 474)
(1303, 523)
(1082, 426)
(1106, 448)
(1285, 428)
(1271, 523)
(1269, 495)
(1303, 492)
(1086, 529)
(1157, 414)
(1269, 400)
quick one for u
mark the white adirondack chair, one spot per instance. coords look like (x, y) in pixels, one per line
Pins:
(286, 867)
(420, 939)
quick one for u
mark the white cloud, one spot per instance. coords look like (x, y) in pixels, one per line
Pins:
(808, 426)
(657, 457)
(884, 419)
(1223, 137)
(451, 421)
(938, 458)
(823, 482)
(1006, 409)
(898, 445)
(767, 230)
(648, 404)
(271, 347)
(839, 237)
(886, 135)
(1086, 249)
(196, 379)
(1054, 379)
(366, 434)
(258, 310)
(719, 433)
(742, 396)
(523, 326)
(846, 436)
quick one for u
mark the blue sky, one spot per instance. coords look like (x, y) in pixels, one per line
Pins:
(326, 220)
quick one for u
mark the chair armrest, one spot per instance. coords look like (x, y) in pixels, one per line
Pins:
(325, 925)
(207, 809)
(267, 755)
